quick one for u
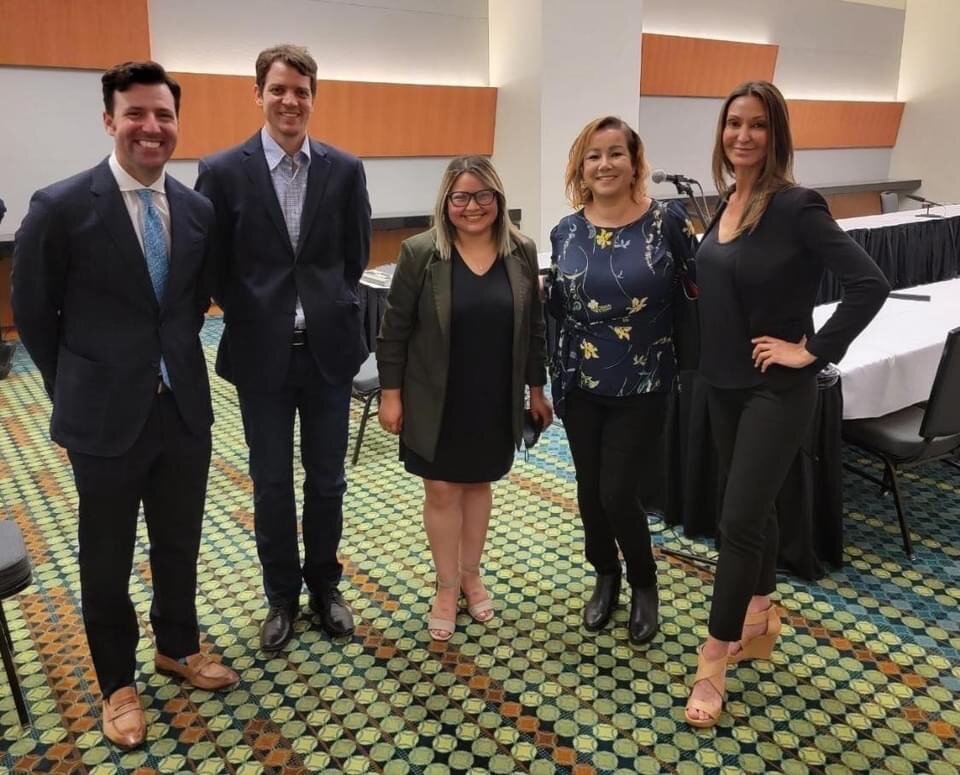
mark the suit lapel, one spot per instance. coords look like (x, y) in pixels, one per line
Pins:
(317, 178)
(180, 233)
(112, 211)
(518, 289)
(441, 281)
(256, 168)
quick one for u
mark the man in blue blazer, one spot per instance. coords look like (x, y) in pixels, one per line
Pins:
(293, 227)
(110, 285)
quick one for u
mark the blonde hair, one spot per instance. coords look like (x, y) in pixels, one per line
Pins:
(777, 172)
(577, 193)
(504, 232)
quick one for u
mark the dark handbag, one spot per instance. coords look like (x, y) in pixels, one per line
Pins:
(531, 429)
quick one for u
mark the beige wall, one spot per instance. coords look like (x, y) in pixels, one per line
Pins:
(930, 84)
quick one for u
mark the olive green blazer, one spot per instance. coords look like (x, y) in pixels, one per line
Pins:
(413, 347)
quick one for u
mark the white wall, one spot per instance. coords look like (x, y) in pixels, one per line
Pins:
(930, 84)
(397, 41)
(516, 52)
(551, 81)
(56, 128)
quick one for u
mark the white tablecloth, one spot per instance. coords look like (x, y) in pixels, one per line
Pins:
(894, 219)
(891, 365)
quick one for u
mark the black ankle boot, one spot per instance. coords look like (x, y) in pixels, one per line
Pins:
(600, 606)
(644, 622)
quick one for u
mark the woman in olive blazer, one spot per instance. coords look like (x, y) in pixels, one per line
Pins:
(462, 334)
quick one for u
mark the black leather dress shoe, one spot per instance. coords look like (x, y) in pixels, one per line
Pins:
(644, 622)
(334, 613)
(277, 628)
(599, 608)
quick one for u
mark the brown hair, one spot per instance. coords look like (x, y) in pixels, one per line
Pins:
(504, 232)
(296, 57)
(577, 194)
(777, 169)
(121, 77)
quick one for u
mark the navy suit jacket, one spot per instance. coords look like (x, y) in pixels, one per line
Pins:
(260, 273)
(87, 313)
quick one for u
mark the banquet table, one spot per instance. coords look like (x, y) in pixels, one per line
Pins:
(891, 365)
(910, 249)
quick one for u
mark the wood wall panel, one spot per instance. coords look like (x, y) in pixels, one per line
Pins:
(854, 204)
(83, 34)
(367, 119)
(385, 245)
(675, 66)
(839, 124)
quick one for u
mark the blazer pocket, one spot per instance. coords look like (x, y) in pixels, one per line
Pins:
(80, 393)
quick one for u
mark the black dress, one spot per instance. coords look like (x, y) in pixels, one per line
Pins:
(476, 435)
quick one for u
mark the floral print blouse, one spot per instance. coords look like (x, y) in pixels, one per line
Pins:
(611, 291)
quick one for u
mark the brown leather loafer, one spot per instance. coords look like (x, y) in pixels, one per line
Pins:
(123, 721)
(201, 670)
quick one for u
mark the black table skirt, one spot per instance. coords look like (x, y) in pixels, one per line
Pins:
(810, 504)
(925, 250)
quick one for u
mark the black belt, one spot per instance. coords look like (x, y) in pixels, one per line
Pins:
(162, 387)
(299, 337)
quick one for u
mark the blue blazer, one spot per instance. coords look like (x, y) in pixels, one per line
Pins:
(87, 313)
(260, 273)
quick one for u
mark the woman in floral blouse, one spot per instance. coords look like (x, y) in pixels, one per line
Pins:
(610, 287)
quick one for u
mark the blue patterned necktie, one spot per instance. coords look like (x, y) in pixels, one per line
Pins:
(155, 252)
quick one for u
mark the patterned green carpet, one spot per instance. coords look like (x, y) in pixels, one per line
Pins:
(866, 678)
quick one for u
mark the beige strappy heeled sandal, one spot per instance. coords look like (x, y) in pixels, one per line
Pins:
(481, 611)
(442, 629)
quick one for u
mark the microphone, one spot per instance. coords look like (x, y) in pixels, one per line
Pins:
(921, 200)
(659, 176)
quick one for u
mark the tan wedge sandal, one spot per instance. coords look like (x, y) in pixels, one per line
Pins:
(759, 646)
(715, 672)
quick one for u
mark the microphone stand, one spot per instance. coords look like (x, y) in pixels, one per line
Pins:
(702, 211)
(926, 211)
(926, 204)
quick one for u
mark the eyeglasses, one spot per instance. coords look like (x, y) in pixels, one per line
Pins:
(483, 197)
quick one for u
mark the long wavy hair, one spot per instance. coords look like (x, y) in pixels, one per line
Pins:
(777, 172)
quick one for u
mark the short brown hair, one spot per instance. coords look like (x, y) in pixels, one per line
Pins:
(576, 192)
(296, 57)
(777, 169)
(121, 77)
(504, 232)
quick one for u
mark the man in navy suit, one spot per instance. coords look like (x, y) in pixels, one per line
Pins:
(293, 232)
(110, 285)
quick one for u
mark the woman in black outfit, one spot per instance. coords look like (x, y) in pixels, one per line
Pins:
(759, 267)
(461, 337)
(610, 286)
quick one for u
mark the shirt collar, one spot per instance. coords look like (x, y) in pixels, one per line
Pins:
(275, 154)
(127, 182)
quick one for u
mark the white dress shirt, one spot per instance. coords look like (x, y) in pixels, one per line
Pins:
(129, 187)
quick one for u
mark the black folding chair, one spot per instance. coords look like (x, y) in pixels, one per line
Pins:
(15, 576)
(366, 387)
(915, 435)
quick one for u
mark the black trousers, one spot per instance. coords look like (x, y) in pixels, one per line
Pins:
(268, 425)
(758, 432)
(166, 471)
(613, 443)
